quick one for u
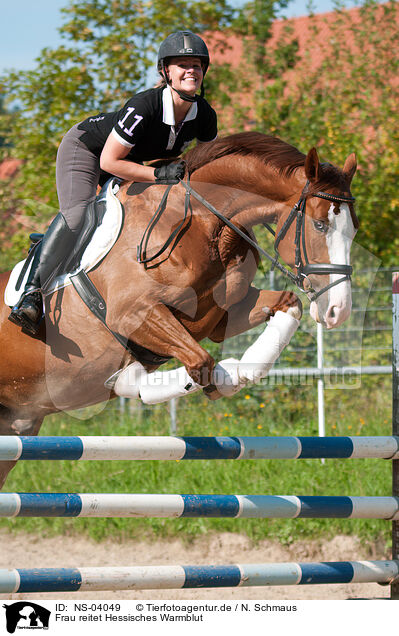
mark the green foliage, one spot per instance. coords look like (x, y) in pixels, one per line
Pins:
(122, 37)
(356, 97)
(3, 114)
(341, 97)
(112, 47)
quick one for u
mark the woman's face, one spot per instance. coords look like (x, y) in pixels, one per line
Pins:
(185, 74)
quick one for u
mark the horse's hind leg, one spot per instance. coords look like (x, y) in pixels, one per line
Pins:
(15, 423)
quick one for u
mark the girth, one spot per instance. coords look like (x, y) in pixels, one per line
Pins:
(88, 292)
(93, 300)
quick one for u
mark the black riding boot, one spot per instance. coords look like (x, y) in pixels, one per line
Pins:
(56, 245)
(29, 307)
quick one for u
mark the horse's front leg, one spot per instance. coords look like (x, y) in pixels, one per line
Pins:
(282, 311)
(163, 334)
(254, 309)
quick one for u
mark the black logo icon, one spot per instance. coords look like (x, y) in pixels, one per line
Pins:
(26, 615)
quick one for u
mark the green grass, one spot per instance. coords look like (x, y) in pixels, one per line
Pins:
(282, 411)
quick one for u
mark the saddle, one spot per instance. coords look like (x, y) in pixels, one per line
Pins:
(102, 225)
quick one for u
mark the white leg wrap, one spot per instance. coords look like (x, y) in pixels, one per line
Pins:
(225, 377)
(259, 358)
(229, 376)
(162, 386)
(128, 382)
(156, 387)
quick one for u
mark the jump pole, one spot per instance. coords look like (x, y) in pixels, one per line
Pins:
(395, 417)
(15, 448)
(194, 506)
(384, 572)
(175, 577)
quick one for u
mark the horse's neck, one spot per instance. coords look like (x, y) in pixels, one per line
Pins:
(265, 194)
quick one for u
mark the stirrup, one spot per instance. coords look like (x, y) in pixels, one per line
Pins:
(23, 321)
(14, 314)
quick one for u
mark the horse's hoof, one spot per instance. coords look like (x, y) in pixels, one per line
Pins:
(211, 393)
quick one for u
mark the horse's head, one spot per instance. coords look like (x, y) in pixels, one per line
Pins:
(315, 238)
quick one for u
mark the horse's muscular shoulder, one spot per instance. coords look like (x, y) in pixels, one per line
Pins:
(231, 245)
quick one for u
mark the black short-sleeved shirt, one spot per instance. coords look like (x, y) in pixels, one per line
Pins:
(146, 125)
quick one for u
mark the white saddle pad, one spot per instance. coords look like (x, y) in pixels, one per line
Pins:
(102, 241)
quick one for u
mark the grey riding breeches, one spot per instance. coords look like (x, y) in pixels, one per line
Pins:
(77, 176)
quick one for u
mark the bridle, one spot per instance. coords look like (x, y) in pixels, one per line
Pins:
(302, 265)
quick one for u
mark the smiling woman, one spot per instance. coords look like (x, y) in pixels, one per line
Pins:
(185, 76)
(155, 124)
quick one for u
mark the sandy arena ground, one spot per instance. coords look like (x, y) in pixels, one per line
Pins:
(31, 551)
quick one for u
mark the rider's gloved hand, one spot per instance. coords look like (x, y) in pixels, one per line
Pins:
(172, 173)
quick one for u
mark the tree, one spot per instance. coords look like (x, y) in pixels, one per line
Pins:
(258, 70)
(120, 38)
(3, 114)
(338, 97)
(112, 45)
(339, 93)
(349, 103)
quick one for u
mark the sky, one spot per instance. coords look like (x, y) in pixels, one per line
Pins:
(27, 26)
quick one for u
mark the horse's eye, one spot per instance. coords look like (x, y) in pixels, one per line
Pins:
(320, 226)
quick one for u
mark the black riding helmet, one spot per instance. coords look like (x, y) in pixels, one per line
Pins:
(183, 44)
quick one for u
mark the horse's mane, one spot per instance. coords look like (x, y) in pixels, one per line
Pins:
(271, 150)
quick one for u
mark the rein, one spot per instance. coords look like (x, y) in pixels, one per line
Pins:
(297, 213)
(142, 247)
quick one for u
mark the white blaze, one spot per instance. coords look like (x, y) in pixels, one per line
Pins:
(339, 241)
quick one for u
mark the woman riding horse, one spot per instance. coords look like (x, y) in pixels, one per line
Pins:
(159, 122)
(203, 289)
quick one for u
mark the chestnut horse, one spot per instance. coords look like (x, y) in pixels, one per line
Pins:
(200, 287)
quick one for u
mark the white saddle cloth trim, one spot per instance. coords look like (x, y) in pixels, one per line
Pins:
(103, 239)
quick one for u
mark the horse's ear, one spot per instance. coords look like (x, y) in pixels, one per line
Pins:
(312, 165)
(350, 167)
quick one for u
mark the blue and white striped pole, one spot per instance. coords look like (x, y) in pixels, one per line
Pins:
(14, 447)
(194, 576)
(174, 506)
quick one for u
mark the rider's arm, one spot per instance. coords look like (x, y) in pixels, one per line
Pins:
(113, 160)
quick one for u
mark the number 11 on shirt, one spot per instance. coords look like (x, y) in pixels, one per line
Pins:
(138, 118)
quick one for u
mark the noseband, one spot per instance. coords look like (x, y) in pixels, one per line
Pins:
(302, 265)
